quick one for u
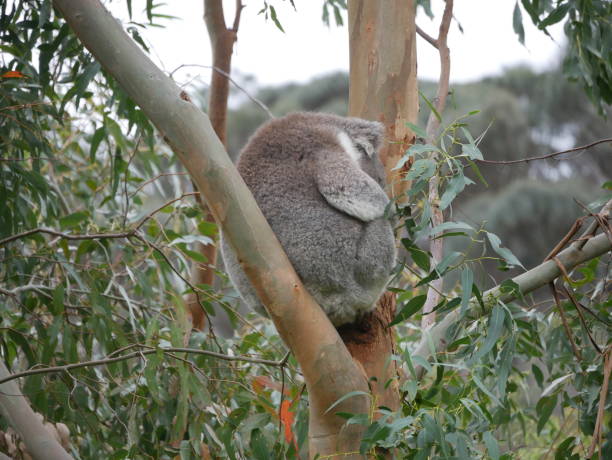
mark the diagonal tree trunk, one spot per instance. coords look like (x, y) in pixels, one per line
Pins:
(383, 87)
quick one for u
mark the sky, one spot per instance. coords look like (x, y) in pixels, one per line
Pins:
(309, 48)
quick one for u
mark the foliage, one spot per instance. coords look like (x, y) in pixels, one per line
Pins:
(509, 384)
(587, 26)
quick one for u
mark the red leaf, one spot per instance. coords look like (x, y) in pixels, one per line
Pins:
(287, 417)
(13, 74)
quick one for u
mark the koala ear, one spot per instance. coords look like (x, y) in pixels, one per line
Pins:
(346, 187)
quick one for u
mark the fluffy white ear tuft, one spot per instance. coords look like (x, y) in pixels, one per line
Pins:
(348, 146)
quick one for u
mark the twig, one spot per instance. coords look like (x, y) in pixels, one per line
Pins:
(94, 236)
(139, 354)
(578, 308)
(602, 402)
(153, 179)
(432, 41)
(568, 332)
(548, 155)
(232, 81)
(239, 7)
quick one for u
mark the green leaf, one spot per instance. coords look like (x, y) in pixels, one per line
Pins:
(496, 326)
(431, 107)
(449, 226)
(96, 139)
(347, 396)
(413, 150)
(73, 220)
(420, 257)
(476, 170)
(565, 449)
(410, 387)
(537, 373)
(544, 408)
(467, 279)
(485, 390)
(81, 83)
(471, 151)
(411, 307)
(492, 446)
(58, 300)
(505, 253)
(423, 168)
(259, 446)
(517, 23)
(555, 15)
(455, 186)
(275, 19)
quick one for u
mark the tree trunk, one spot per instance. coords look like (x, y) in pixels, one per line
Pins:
(222, 42)
(383, 87)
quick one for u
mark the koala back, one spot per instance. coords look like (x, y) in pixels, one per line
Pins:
(326, 207)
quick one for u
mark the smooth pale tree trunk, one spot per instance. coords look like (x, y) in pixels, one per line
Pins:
(329, 371)
(15, 409)
(383, 87)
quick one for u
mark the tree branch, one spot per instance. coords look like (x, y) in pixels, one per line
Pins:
(432, 41)
(263, 106)
(548, 155)
(527, 282)
(94, 236)
(436, 245)
(139, 354)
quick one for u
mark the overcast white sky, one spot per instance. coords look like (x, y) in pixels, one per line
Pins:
(308, 48)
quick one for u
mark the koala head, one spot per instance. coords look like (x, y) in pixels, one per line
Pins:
(361, 140)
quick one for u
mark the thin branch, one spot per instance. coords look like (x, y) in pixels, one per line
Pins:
(140, 354)
(232, 81)
(548, 155)
(239, 7)
(94, 236)
(153, 179)
(432, 41)
(566, 327)
(602, 403)
(436, 245)
(578, 307)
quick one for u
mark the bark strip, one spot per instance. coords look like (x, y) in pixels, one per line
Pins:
(383, 87)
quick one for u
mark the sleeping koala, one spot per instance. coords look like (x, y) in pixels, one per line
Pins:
(319, 182)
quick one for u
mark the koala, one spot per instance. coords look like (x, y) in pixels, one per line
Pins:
(319, 182)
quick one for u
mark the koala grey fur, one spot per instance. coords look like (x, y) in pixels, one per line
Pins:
(318, 181)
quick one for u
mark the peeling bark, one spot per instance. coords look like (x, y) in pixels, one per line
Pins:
(383, 87)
